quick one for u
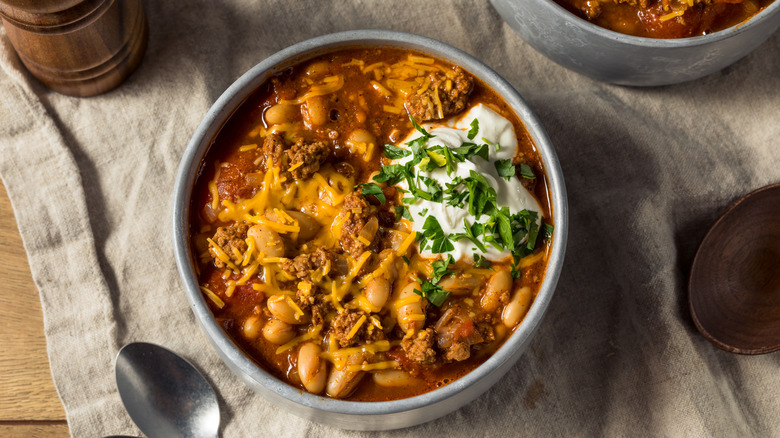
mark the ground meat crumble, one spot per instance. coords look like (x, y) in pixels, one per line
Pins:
(419, 347)
(230, 239)
(343, 323)
(453, 93)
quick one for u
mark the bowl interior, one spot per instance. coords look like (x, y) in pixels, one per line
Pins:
(771, 12)
(232, 98)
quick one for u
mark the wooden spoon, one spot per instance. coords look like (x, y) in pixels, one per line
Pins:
(734, 287)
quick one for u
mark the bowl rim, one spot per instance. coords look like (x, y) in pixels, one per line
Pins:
(660, 43)
(226, 104)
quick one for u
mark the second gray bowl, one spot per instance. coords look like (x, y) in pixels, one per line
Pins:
(628, 60)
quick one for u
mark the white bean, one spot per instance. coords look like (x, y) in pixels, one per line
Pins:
(282, 310)
(499, 284)
(500, 331)
(360, 116)
(410, 316)
(377, 291)
(517, 307)
(251, 327)
(380, 184)
(460, 284)
(267, 241)
(312, 369)
(394, 378)
(278, 332)
(342, 382)
(280, 113)
(309, 226)
(315, 111)
(318, 68)
(361, 136)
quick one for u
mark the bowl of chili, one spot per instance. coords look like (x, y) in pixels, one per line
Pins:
(626, 43)
(321, 253)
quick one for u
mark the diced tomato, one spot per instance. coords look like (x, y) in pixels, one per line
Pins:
(465, 330)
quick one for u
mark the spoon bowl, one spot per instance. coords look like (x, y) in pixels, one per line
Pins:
(734, 287)
(164, 394)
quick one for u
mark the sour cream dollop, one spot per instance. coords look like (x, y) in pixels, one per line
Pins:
(453, 133)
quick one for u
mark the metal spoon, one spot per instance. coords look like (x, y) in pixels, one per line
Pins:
(164, 394)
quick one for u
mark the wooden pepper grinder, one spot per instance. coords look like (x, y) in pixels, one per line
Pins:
(77, 47)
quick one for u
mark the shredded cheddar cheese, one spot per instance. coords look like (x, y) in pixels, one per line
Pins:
(356, 327)
(221, 254)
(213, 297)
(329, 85)
(344, 353)
(311, 334)
(231, 286)
(404, 247)
(384, 365)
(671, 15)
(298, 312)
(408, 300)
(359, 264)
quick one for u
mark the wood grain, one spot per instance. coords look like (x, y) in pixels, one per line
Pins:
(734, 285)
(77, 47)
(34, 430)
(29, 405)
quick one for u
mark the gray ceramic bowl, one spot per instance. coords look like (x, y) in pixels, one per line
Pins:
(628, 60)
(346, 414)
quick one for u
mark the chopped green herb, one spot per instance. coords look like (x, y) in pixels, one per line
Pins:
(402, 211)
(533, 234)
(482, 197)
(395, 153)
(505, 168)
(417, 146)
(392, 174)
(435, 191)
(474, 129)
(423, 212)
(547, 232)
(433, 232)
(440, 268)
(505, 228)
(471, 233)
(516, 271)
(439, 246)
(456, 198)
(434, 293)
(372, 189)
(526, 171)
(450, 160)
(481, 262)
(453, 196)
(406, 259)
(469, 150)
(420, 129)
(496, 145)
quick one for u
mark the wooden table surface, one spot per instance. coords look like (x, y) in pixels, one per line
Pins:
(29, 406)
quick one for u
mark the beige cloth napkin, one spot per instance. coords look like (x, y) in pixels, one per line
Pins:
(648, 170)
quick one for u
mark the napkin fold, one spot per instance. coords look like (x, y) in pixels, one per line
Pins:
(647, 171)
